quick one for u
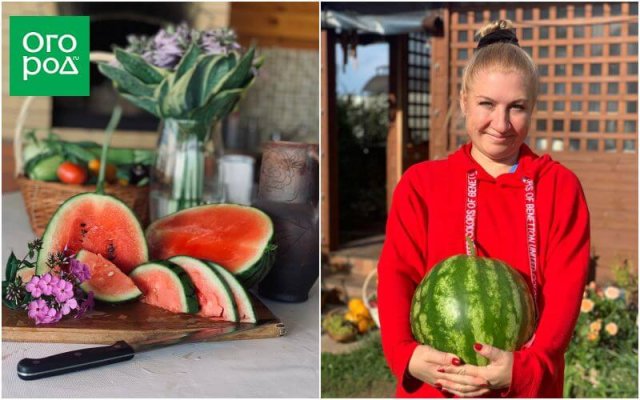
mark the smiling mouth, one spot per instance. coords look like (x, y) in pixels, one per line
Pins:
(499, 137)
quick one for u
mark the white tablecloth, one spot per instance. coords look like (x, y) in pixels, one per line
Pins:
(278, 367)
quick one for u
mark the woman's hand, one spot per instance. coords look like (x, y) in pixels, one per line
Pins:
(497, 373)
(430, 365)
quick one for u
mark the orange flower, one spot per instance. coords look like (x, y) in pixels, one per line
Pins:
(592, 336)
(596, 326)
(586, 306)
(612, 293)
(592, 285)
(611, 328)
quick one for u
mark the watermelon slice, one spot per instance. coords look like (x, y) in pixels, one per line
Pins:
(246, 312)
(238, 238)
(99, 223)
(215, 298)
(166, 285)
(107, 282)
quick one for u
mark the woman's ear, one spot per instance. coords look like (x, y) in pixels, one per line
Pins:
(463, 103)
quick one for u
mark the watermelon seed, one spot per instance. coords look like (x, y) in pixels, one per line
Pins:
(111, 251)
(110, 273)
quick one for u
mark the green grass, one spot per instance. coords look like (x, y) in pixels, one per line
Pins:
(361, 373)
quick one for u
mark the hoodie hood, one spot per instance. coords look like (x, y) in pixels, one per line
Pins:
(530, 165)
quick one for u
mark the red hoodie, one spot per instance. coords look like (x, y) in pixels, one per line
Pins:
(426, 225)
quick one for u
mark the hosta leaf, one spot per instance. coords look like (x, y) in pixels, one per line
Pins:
(138, 67)
(146, 103)
(176, 102)
(196, 92)
(188, 60)
(124, 81)
(218, 106)
(239, 74)
(217, 73)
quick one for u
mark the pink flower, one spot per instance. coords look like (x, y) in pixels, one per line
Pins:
(63, 291)
(69, 305)
(39, 311)
(79, 269)
(33, 288)
(47, 282)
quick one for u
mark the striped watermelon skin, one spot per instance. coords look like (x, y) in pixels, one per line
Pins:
(468, 299)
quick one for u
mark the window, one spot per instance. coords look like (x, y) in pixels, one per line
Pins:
(527, 33)
(559, 88)
(594, 88)
(630, 127)
(595, 69)
(615, 9)
(543, 32)
(542, 106)
(543, 88)
(511, 14)
(462, 54)
(578, 11)
(462, 18)
(612, 88)
(615, 29)
(592, 144)
(494, 15)
(610, 145)
(614, 49)
(632, 107)
(543, 51)
(560, 70)
(528, 50)
(632, 49)
(576, 106)
(612, 106)
(575, 125)
(557, 144)
(594, 106)
(527, 14)
(597, 50)
(541, 144)
(611, 126)
(558, 106)
(632, 87)
(478, 17)
(561, 11)
(597, 30)
(463, 36)
(543, 70)
(574, 144)
(629, 146)
(561, 51)
(541, 125)
(632, 68)
(544, 12)
(576, 88)
(593, 125)
(558, 125)
(597, 10)
(633, 28)
(578, 32)
(561, 32)
(578, 50)
(578, 69)
(633, 8)
(614, 69)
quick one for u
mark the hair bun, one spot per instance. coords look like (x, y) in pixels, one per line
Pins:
(501, 31)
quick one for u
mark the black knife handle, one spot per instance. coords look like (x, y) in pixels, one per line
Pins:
(77, 360)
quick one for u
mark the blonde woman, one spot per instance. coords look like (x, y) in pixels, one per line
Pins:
(515, 190)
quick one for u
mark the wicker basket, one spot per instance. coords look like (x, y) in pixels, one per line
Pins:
(42, 199)
(366, 297)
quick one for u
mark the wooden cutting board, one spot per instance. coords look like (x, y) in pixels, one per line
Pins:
(132, 323)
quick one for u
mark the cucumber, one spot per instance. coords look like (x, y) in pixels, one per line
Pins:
(44, 167)
(166, 285)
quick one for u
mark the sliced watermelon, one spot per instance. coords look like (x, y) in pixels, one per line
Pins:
(238, 238)
(107, 282)
(101, 224)
(214, 296)
(246, 312)
(166, 285)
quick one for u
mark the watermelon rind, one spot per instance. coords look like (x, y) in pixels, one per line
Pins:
(246, 311)
(131, 295)
(215, 279)
(253, 270)
(182, 282)
(466, 300)
(48, 235)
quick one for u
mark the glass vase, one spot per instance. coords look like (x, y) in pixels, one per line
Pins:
(186, 172)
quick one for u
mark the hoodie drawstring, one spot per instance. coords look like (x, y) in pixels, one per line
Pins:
(530, 212)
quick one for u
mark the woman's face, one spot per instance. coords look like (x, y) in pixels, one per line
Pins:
(497, 113)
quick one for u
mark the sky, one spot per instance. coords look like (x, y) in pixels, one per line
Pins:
(355, 76)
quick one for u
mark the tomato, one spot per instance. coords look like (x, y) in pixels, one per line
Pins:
(110, 173)
(71, 173)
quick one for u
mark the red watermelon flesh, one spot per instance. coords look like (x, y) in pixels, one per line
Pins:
(166, 285)
(100, 224)
(107, 282)
(235, 237)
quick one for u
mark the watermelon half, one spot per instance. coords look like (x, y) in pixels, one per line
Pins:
(107, 282)
(214, 296)
(238, 238)
(466, 300)
(101, 224)
(166, 285)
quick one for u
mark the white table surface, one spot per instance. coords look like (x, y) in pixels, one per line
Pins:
(287, 366)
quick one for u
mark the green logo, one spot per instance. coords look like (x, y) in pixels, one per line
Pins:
(49, 56)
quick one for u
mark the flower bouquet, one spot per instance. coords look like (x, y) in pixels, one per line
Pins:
(190, 80)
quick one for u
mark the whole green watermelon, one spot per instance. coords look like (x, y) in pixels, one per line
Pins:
(469, 299)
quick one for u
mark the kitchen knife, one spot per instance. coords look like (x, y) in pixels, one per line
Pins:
(78, 360)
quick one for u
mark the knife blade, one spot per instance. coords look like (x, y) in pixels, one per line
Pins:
(82, 359)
